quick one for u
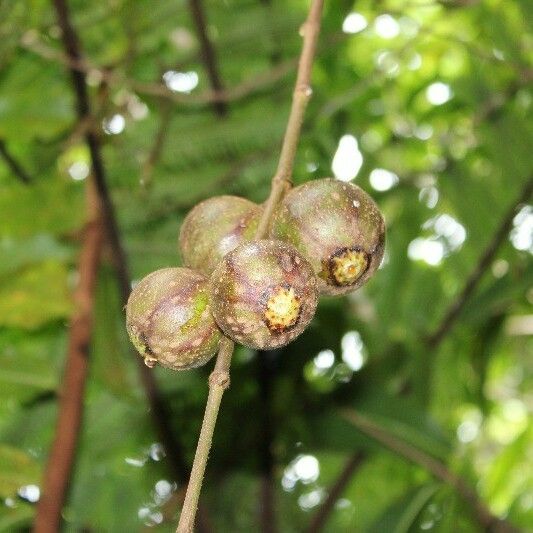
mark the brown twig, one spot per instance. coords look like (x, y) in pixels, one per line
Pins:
(208, 53)
(70, 411)
(246, 88)
(240, 91)
(484, 262)
(157, 147)
(219, 379)
(301, 96)
(265, 375)
(486, 519)
(208, 56)
(158, 409)
(13, 164)
(352, 465)
(218, 382)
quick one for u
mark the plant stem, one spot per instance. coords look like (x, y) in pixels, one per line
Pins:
(352, 465)
(301, 96)
(488, 255)
(208, 54)
(159, 411)
(13, 164)
(248, 87)
(266, 365)
(219, 379)
(70, 412)
(218, 383)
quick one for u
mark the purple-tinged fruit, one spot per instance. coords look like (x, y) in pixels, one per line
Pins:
(337, 227)
(169, 321)
(263, 294)
(214, 227)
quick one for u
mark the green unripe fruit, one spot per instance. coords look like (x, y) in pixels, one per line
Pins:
(215, 227)
(337, 227)
(169, 321)
(264, 294)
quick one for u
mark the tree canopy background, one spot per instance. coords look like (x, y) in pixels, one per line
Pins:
(427, 106)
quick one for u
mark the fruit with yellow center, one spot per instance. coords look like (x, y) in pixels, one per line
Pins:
(337, 227)
(169, 320)
(346, 267)
(263, 294)
(282, 309)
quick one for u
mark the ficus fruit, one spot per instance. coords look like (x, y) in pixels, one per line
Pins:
(264, 294)
(169, 320)
(213, 228)
(337, 227)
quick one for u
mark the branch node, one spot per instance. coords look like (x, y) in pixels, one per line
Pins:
(219, 378)
(304, 89)
(281, 179)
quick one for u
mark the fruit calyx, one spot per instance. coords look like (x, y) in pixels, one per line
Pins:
(345, 266)
(282, 308)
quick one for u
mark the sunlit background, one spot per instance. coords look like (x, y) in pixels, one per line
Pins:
(427, 106)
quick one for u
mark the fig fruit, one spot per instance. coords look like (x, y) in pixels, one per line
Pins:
(213, 228)
(263, 294)
(169, 321)
(337, 227)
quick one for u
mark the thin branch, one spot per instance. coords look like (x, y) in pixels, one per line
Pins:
(301, 96)
(248, 87)
(219, 379)
(208, 56)
(208, 53)
(265, 375)
(157, 146)
(158, 408)
(240, 91)
(218, 382)
(61, 457)
(486, 519)
(352, 465)
(456, 307)
(13, 164)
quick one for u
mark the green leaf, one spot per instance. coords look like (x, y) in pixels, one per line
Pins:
(111, 350)
(17, 253)
(26, 211)
(399, 417)
(37, 295)
(18, 469)
(401, 516)
(17, 517)
(30, 362)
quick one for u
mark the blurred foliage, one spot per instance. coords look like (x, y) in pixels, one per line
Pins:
(438, 94)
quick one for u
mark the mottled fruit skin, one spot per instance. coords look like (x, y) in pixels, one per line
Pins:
(337, 227)
(213, 228)
(264, 294)
(169, 320)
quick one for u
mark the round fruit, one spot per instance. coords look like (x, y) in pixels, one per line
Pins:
(337, 227)
(215, 227)
(168, 318)
(264, 294)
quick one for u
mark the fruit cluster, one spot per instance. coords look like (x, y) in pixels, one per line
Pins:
(325, 237)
